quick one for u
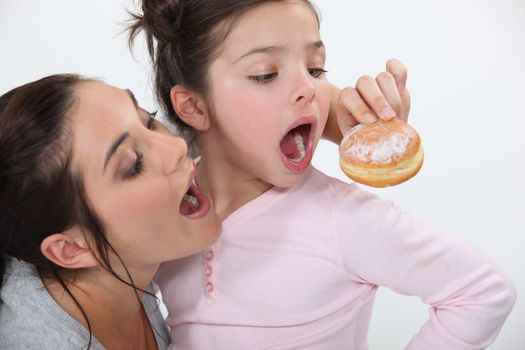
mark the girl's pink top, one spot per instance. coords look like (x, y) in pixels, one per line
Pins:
(299, 269)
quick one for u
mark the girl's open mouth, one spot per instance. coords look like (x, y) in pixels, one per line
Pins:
(194, 204)
(296, 147)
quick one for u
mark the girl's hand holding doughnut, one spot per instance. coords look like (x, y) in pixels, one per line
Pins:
(378, 148)
(384, 97)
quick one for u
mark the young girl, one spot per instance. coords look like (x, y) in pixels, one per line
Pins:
(81, 165)
(301, 255)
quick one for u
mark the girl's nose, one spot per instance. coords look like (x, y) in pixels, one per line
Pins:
(303, 90)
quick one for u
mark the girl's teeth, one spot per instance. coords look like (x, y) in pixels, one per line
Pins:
(298, 138)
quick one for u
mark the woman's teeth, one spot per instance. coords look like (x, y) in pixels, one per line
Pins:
(192, 200)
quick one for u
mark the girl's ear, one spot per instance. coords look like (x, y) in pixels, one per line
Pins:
(68, 249)
(190, 108)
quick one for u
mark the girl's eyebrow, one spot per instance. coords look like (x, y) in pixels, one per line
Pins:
(263, 49)
(271, 49)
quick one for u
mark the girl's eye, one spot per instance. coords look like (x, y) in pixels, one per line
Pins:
(136, 168)
(316, 72)
(152, 122)
(263, 78)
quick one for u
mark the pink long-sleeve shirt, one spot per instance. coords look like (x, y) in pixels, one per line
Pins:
(299, 268)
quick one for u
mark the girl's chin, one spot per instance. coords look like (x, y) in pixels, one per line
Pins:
(291, 179)
(297, 165)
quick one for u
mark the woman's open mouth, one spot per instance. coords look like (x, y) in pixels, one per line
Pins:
(194, 204)
(296, 147)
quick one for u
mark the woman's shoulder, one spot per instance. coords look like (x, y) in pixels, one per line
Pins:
(29, 316)
(18, 275)
(153, 307)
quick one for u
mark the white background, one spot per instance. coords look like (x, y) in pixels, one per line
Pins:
(466, 76)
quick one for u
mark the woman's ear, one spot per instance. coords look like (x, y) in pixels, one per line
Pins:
(68, 249)
(190, 108)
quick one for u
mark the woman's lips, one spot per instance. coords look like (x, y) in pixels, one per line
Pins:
(195, 204)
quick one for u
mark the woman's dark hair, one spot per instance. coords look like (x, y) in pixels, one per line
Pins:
(183, 38)
(40, 193)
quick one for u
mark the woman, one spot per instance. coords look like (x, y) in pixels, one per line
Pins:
(94, 195)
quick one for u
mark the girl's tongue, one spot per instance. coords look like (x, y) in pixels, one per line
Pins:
(293, 144)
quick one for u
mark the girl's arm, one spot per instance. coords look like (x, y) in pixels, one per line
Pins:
(331, 131)
(384, 97)
(468, 294)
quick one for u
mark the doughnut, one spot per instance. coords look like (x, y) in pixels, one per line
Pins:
(381, 154)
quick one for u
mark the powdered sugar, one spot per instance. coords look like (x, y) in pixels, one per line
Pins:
(351, 132)
(384, 150)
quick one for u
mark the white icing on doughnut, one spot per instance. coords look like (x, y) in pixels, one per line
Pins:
(384, 150)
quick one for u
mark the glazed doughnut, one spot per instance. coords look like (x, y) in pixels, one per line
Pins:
(384, 153)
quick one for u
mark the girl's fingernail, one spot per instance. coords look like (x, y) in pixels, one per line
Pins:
(369, 117)
(388, 112)
(400, 86)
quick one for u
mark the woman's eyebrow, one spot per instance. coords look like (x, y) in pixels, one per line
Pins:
(119, 140)
(114, 146)
(132, 96)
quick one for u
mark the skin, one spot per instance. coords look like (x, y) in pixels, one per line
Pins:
(369, 100)
(139, 209)
(240, 136)
(157, 231)
(258, 64)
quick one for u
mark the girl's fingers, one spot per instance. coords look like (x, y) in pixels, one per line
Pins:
(374, 98)
(405, 105)
(384, 97)
(387, 84)
(352, 110)
(399, 71)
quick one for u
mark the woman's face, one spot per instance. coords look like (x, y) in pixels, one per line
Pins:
(137, 177)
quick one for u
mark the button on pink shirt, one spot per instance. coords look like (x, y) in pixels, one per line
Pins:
(299, 269)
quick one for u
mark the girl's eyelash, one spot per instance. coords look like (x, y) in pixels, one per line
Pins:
(317, 72)
(151, 121)
(263, 78)
(136, 169)
(266, 78)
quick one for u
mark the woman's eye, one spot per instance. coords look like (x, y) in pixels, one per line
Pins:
(136, 168)
(316, 72)
(152, 122)
(263, 78)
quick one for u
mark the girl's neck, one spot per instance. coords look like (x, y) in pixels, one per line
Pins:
(229, 189)
(115, 313)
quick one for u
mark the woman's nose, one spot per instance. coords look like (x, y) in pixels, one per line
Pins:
(303, 90)
(171, 150)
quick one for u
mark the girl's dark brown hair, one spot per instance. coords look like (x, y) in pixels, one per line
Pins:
(183, 38)
(40, 193)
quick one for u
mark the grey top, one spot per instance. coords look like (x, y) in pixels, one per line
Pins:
(31, 319)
